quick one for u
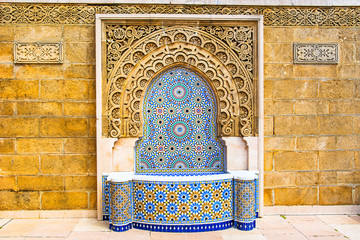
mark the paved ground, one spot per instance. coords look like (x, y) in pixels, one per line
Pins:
(320, 227)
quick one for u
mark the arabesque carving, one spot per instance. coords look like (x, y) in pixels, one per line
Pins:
(224, 55)
(38, 52)
(85, 14)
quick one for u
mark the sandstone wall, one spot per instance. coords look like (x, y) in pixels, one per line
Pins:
(47, 120)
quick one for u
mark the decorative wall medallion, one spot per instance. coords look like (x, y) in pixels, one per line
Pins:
(38, 52)
(137, 53)
(316, 53)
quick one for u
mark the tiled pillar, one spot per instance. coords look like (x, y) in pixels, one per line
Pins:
(121, 205)
(244, 212)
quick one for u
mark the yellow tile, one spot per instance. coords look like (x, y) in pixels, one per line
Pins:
(64, 89)
(6, 71)
(79, 109)
(38, 33)
(80, 71)
(279, 179)
(279, 143)
(80, 183)
(31, 71)
(64, 164)
(19, 127)
(295, 89)
(64, 127)
(64, 200)
(7, 145)
(7, 108)
(295, 125)
(19, 200)
(336, 125)
(296, 196)
(292, 161)
(336, 160)
(40, 183)
(335, 195)
(39, 145)
(6, 52)
(19, 89)
(39, 108)
(80, 145)
(336, 89)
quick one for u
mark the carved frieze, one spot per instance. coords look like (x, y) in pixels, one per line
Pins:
(85, 14)
(316, 53)
(38, 52)
(223, 54)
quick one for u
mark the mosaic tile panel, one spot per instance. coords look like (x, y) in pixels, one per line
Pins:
(180, 132)
(183, 203)
(257, 196)
(105, 197)
(121, 206)
(244, 211)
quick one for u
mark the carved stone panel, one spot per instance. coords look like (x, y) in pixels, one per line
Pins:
(316, 53)
(38, 52)
(224, 55)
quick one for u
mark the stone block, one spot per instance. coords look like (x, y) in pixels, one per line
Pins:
(269, 88)
(39, 145)
(64, 200)
(19, 164)
(80, 145)
(306, 178)
(327, 178)
(348, 142)
(64, 89)
(357, 160)
(279, 179)
(294, 161)
(278, 53)
(275, 34)
(7, 108)
(315, 143)
(295, 89)
(316, 35)
(278, 71)
(19, 200)
(357, 195)
(278, 107)
(357, 124)
(336, 160)
(296, 196)
(39, 108)
(268, 161)
(64, 127)
(79, 109)
(336, 89)
(92, 90)
(268, 197)
(73, 33)
(347, 53)
(348, 177)
(19, 127)
(311, 107)
(80, 71)
(33, 33)
(336, 125)
(296, 125)
(357, 52)
(93, 200)
(348, 71)
(19, 89)
(345, 107)
(40, 183)
(80, 52)
(6, 33)
(279, 143)
(64, 164)
(6, 71)
(340, 195)
(32, 71)
(7, 145)
(315, 71)
(92, 127)
(8, 183)
(92, 164)
(349, 34)
(6, 52)
(86, 183)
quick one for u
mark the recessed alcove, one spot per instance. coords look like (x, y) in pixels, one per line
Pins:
(133, 49)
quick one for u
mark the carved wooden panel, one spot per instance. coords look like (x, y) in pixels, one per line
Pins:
(316, 53)
(224, 55)
(38, 52)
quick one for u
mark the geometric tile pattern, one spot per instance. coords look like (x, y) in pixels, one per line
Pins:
(121, 205)
(183, 203)
(180, 127)
(244, 212)
(105, 197)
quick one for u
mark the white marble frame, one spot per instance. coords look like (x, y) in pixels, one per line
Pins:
(255, 145)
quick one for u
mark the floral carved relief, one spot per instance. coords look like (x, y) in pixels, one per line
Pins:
(223, 55)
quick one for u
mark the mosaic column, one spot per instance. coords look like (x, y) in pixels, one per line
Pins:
(257, 195)
(244, 211)
(121, 206)
(105, 197)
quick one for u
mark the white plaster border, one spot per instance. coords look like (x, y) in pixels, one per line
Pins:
(102, 142)
(47, 214)
(312, 210)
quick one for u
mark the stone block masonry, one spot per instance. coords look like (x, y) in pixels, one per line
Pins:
(47, 112)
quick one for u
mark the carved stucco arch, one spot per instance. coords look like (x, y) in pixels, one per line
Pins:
(230, 76)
